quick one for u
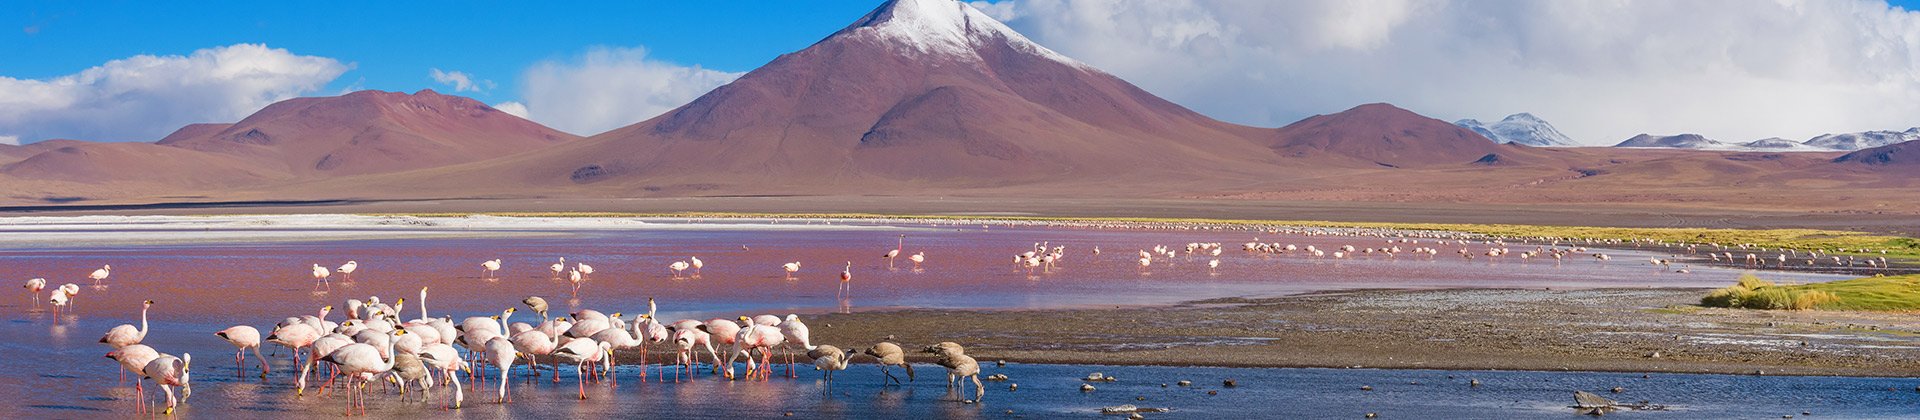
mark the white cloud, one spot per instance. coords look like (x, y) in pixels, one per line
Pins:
(460, 81)
(145, 97)
(607, 88)
(1599, 70)
(514, 108)
(10, 140)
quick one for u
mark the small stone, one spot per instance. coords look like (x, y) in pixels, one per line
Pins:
(1617, 390)
(1371, 415)
(1473, 383)
(1190, 383)
(1009, 411)
(1163, 385)
(1086, 388)
(1213, 392)
(1136, 416)
(789, 414)
(1366, 388)
(1139, 398)
(1230, 383)
(1000, 363)
(1786, 416)
(1013, 387)
(968, 402)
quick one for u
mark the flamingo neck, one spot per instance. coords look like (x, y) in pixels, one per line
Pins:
(143, 321)
(423, 304)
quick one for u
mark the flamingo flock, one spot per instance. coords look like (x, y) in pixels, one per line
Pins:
(375, 345)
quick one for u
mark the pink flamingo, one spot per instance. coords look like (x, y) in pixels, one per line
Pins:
(244, 337)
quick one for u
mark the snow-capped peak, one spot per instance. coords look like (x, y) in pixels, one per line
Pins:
(1521, 128)
(945, 27)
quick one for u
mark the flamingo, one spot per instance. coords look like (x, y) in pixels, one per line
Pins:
(320, 275)
(917, 258)
(677, 267)
(796, 333)
(61, 298)
(125, 334)
(684, 339)
(649, 332)
(444, 358)
(536, 343)
(134, 359)
(1213, 264)
(890, 354)
(100, 273)
(295, 337)
(898, 244)
(582, 351)
(791, 268)
(361, 361)
(538, 305)
(696, 265)
(725, 333)
(756, 336)
(574, 277)
(244, 337)
(619, 339)
(490, 267)
(559, 267)
(34, 287)
(959, 366)
(500, 352)
(346, 270)
(828, 358)
(585, 270)
(846, 280)
(169, 372)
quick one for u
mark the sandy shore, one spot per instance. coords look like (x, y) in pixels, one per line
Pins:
(1633, 330)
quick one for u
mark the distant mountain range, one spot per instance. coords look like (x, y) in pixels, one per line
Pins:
(1823, 143)
(931, 98)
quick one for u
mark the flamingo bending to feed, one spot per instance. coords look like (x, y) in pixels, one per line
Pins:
(125, 334)
(500, 353)
(582, 351)
(796, 333)
(890, 354)
(696, 265)
(134, 359)
(677, 267)
(538, 305)
(244, 337)
(959, 367)
(169, 372)
(361, 361)
(828, 358)
(917, 258)
(585, 270)
(791, 268)
(346, 270)
(490, 268)
(574, 277)
(63, 297)
(445, 359)
(100, 273)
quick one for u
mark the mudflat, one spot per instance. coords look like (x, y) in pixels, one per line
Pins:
(1624, 330)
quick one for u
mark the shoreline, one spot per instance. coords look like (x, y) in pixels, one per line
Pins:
(1597, 330)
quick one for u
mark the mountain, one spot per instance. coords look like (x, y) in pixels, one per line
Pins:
(368, 132)
(1521, 128)
(1776, 144)
(1903, 154)
(914, 92)
(1864, 139)
(1681, 141)
(1384, 135)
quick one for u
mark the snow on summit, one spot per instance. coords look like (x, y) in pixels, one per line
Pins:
(943, 27)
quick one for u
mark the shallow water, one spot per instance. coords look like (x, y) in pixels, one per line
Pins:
(209, 273)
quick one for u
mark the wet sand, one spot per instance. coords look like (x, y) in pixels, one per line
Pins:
(1621, 330)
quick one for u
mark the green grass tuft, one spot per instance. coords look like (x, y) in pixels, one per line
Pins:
(1901, 293)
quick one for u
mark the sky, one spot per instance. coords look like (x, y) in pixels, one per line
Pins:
(1601, 71)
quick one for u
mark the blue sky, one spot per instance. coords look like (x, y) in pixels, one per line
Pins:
(391, 45)
(1601, 71)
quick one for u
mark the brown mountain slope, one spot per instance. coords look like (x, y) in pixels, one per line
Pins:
(918, 92)
(369, 132)
(1385, 135)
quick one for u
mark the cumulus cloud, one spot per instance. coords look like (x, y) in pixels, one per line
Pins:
(1600, 70)
(607, 88)
(145, 97)
(10, 140)
(460, 81)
